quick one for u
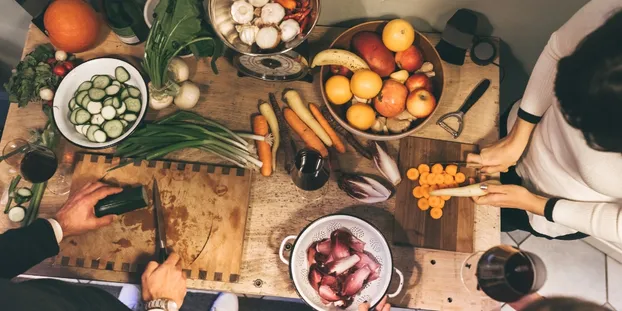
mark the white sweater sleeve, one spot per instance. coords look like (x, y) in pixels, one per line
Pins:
(539, 94)
(602, 220)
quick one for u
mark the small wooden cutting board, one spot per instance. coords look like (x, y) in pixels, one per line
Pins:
(414, 227)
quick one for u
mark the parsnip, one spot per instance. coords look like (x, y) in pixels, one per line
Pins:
(293, 100)
(267, 111)
(467, 191)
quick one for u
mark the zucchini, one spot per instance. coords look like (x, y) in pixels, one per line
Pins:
(22, 195)
(85, 129)
(72, 104)
(109, 112)
(116, 102)
(125, 124)
(129, 200)
(108, 101)
(82, 116)
(133, 104)
(80, 128)
(97, 119)
(94, 107)
(121, 110)
(113, 90)
(101, 82)
(121, 74)
(97, 94)
(17, 214)
(94, 77)
(85, 86)
(113, 128)
(91, 131)
(85, 101)
(129, 117)
(134, 92)
(100, 136)
(72, 116)
(125, 94)
(117, 83)
(81, 96)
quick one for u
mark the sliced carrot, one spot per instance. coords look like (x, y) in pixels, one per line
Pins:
(425, 190)
(423, 168)
(436, 213)
(434, 201)
(412, 174)
(304, 132)
(439, 179)
(442, 203)
(423, 204)
(337, 143)
(418, 192)
(448, 179)
(432, 179)
(451, 169)
(445, 198)
(437, 168)
(460, 178)
(434, 187)
(423, 178)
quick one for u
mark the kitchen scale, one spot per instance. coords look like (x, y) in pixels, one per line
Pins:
(291, 65)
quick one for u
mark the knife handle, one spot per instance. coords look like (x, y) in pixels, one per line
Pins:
(475, 95)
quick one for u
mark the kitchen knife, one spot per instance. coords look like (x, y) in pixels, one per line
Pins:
(161, 253)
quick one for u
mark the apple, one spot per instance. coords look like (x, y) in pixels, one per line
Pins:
(420, 103)
(409, 60)
(419, 81)
(341, 70)
(391, 101)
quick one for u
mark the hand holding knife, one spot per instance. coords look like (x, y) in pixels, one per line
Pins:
(160, 241)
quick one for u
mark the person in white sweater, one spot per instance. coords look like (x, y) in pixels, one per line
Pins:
(565, 135)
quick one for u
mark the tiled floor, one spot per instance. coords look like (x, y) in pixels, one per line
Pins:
(574, 268)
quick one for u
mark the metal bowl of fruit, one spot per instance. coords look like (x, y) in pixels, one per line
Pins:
(263, 27)
(380, 83)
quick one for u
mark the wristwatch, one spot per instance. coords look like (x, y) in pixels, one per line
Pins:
(161, 305)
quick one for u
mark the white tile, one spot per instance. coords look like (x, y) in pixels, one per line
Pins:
(614, 280)
(506, 307)
(507, 239)
(610, 307)
(519, 236)
(574, 268)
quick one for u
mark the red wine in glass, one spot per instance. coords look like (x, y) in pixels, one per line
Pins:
(310, 171)
(38, 164)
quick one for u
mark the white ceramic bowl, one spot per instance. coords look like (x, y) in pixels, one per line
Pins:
(70, 83)
(375, 244)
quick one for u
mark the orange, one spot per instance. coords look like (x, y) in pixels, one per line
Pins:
(398, 35)
(365, 84)
(338, 90)
(72, 25)
(361, 116)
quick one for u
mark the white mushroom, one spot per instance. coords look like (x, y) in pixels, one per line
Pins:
(268, 38)
(248, 33)
(258, 3)
(272, 13)
(242, 12)
(289, 30)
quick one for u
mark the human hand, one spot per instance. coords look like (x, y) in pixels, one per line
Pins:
(512, 196)
(77, 216)
(382, 305)
(165, 281)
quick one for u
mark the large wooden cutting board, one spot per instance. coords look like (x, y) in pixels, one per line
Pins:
(414, 227)
(205, 208)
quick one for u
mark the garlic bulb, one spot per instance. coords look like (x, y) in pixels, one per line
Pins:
(258, 3)
(289, 30)
(272, 13)
(248, 33)
(268, 38)
(242, 12)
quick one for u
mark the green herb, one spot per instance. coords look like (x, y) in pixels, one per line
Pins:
(30, 75)
(12, 187)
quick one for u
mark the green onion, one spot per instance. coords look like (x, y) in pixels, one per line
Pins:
(11, 190)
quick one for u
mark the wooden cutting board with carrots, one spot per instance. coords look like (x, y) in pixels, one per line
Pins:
(433, 222)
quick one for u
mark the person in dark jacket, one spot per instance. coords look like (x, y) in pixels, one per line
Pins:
(163, 285)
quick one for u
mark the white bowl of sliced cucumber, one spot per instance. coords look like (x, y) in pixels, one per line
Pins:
(100, 102)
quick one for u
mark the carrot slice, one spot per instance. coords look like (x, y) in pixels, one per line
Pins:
(445, 198)
(434, 201)
(423, 178)
(434, 187)
(451, 169)
(442, 203)
(439, 179)
(460, 178)
(423, 168)
(425, 190)
(418, 192)
(412, 174)
(436, 213)
(437, 168)
(423, 204)
(432, 179)
(448, 179)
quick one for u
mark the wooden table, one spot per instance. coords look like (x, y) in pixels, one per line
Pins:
(276, 211)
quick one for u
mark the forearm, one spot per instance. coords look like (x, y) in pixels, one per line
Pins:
(602, 220)
(23, 248)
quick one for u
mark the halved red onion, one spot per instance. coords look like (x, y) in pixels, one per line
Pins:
(311, 255)
(368, 260)
(341, 265)
(315, 277)
(356, 244)
(328, 294)
(355, 281)
(323, 246)
(329, 280)
(340, 244)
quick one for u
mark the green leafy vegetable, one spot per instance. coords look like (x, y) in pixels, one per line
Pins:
(30, 75)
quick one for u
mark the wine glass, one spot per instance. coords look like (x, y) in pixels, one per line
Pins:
(310, 173)
(503, 273)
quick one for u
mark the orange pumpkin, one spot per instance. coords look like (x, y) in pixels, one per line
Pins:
(72, 25)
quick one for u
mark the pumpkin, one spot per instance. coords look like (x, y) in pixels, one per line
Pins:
(72, 25)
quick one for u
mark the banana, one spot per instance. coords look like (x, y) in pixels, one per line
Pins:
(339, 57)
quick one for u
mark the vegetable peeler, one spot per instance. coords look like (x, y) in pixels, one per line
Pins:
(475, 95)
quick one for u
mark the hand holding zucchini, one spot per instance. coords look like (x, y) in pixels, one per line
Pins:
(128, 200)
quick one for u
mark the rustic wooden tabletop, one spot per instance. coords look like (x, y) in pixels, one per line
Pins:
(276, 211)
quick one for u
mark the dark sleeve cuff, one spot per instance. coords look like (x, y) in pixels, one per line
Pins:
(528, 116)
(548, 209)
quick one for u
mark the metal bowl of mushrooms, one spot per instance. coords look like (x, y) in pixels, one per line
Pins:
(263, 27)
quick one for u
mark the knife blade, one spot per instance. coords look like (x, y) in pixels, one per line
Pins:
(161, 253)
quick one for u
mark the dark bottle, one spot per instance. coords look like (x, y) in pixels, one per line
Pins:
(125, 18)
(38, 165)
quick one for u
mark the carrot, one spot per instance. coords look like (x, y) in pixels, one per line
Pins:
(412, 174)
(442, 203)
(423, 178)
(423, 204)
(436, 213)
(433, 187)
(425, 190)
(424, 168)
(417, 192)
(460, 178)
(445, 198)
(449, 179)
(260, 127)
(437, 168)
(439, 179)
(432, 179)
(293, 100)
(451, 169)
(337, 143)
(304, 132)
(434, 201)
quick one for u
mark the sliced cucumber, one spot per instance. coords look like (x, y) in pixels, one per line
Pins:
(24, 193)
(116, 102)
(17, 214)
(85, 102)
(94, 107)
(130, 117)
(113, 128)
(72, 104)
(85, 129)
(72, 116)
(112, 90)
(82, 116)
(97, 94)
(109, 112)
(80, 128)
(85, 86)
(121, 110)
(134, 92)
(117, 83)
(91, 131)
(100, 136)
(125, 94)
(125, 124)
(101, 82)
(81, 96)
(108, 101)
(97, 119)
(121, 74)
(133, 104)
(94, 77)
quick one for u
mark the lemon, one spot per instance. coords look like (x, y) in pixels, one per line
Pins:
(338, 90)
(361, 116)
(365, 84)
(398, 35)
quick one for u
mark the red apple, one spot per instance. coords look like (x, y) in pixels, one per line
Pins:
(410, 60)
(420, 103)
(391, 101)
(418, 81)
(341, 70)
